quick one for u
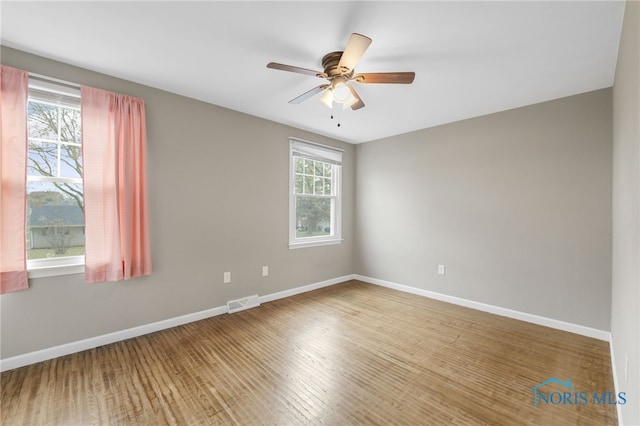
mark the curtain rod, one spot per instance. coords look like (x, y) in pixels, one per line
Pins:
(54, 80)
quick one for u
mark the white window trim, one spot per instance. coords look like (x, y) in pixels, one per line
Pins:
(40, 268)
(331, 155)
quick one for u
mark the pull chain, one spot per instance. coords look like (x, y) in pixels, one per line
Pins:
(337, 114)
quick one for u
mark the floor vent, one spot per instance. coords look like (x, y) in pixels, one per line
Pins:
(244, 303)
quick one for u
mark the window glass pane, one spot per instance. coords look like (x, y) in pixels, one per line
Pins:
(299, 165)
(70, 130)
(43, 159)
(42, 120)
(318, 168)
(70, 161)
(319, 186)
(313, 217)
(299, 184)
(327, 169)
(308, 167)
(308, 185)
(55, 220)
(327, 186)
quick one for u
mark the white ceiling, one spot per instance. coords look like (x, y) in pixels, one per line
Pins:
(470, 58)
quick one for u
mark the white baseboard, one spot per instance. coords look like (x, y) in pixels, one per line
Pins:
(535, 319)
(615, 378)
(105, 339)
(305, 288)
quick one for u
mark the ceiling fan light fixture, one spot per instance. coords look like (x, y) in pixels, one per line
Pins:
(349, 101)
(340, 90)
(340, 93)
(327, 98)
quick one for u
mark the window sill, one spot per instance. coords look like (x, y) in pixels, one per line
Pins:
(54, 271)
(54, 267)
(316, 243)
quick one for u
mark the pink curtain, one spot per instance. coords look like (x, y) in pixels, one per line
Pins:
(13, 172)
(115, 186)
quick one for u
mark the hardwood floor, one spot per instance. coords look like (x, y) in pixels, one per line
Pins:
(352, 353)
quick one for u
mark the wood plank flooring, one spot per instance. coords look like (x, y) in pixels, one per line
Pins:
(348, 354)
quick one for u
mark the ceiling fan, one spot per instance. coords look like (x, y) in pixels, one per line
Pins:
(339, 71)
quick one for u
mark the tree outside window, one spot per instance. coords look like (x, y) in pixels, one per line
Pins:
(55, 203)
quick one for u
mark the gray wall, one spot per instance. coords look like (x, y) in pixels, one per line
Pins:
(218, 201)
(625, 312)
(516, 205)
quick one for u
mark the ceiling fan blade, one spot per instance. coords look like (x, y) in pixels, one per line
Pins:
(283, 67)
(306, 95)
(357, 104)
(356, 46)
(385, 77)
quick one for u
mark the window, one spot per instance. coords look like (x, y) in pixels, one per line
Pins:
(314, 196)
(55, 202)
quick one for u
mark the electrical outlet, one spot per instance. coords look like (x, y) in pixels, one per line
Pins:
(265, 271)
(441, 269)
(227, 277)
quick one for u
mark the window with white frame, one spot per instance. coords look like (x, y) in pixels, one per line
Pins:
(55, 202)
(314, 194)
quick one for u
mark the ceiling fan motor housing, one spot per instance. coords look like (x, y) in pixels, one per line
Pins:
(330, 63)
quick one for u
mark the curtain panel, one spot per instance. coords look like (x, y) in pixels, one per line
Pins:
(115, 186)
(14, 85)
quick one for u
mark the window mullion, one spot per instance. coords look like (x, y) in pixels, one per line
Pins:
(314, 195)
(32, 178)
